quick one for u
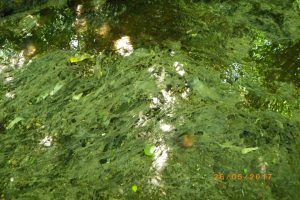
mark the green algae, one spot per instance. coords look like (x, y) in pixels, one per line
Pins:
(100, 113)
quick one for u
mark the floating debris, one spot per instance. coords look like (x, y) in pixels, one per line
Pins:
(134, 188)
(188, 140)
(80, 57)
(46, 141)
(149, 149)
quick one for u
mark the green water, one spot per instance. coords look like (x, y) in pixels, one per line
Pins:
(211, 86)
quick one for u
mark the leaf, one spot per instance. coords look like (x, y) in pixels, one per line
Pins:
(134, 188)
(104, 117)
(57, 87)
(149, 150)
(80, 57)
(42, 97)
(141, 52)
(13, 122)
(147, 86)
(203, 90)
(77, 97)
(247, 150)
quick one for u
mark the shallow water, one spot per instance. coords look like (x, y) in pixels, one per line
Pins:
(150, 100)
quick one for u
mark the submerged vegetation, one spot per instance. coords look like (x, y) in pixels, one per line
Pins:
(150, 99)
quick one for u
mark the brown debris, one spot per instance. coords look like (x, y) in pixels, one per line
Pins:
(188, 140)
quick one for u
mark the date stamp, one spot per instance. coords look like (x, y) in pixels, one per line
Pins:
(242, 177)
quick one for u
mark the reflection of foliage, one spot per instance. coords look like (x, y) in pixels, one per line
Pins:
(263, 82)
(271, 103)
(262, 46)
(56, 28)
(277, 61)
(47, 27)
(277, 96)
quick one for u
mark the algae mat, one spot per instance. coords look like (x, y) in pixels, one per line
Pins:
(96, 106)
